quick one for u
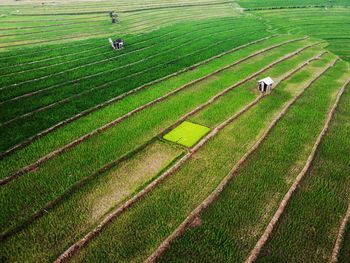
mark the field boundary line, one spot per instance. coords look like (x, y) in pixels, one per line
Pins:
(180, 230)
(94, 47)
(115, 99)
(165, 245)
(112, 58)
(77, 95)
(39, 213)
(56, 152)
(81, 243)
(340, 237)
(275, 219)
(99, 86)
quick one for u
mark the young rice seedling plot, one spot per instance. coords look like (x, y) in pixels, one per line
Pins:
(187, 133)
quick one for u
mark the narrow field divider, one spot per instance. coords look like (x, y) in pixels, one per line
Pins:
(34, 165)
(340, 237)
(69, 98)
(7, 233)
(111, 101)
(275, 219)
(83, 242)
(165, 245)
(98, 87)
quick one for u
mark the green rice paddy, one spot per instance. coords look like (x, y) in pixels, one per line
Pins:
(104, 155)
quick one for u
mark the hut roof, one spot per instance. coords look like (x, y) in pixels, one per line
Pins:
(267, 81)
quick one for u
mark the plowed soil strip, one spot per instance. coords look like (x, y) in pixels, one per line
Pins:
(77, 246)
(263, 239)
(113, 123)
(224, 183)
(106, 103)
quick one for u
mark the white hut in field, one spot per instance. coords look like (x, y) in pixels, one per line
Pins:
(265, 85)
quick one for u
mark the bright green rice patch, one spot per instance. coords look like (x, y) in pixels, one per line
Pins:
(187, 133)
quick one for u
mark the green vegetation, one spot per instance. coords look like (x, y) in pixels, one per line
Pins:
(103, 116)
(187, 133)
(88, 205)
(193, 181)
(104, 154)
(93, 89)
(88, 157)
(230, 228)
(322, 193)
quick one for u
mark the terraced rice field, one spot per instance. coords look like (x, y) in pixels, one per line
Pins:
(166, 150)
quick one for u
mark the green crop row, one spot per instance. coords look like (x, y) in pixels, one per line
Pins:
(19, 130)
(90, 50)
(19, 199)
(263, 180)
(73, 205)
(162, 210)
(103, 116)
(329, 24)
(312, 219)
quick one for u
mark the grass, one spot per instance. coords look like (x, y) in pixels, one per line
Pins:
(88, 157)
(230, 228)
(94, 24)
(103, 87)
(87, 206)
(345, 250)
(187, 133)
(329, 24)
(193, 181)
(98, 118)
(310, 225)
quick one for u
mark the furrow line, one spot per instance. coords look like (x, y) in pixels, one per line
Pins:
(105, 60)
(180, 230)
(109, 166)
(120, 119)
(340, 237)
(136, 43)
(86, 239)
(275, 219)
(76, 81)
(111, 101)
(90, 90)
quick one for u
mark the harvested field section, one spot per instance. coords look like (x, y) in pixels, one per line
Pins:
(314, 214)
(88, 157)
(81, 211)
(263, 179)
(134, 235)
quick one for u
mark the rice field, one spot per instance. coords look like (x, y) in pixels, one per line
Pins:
(166, 150)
